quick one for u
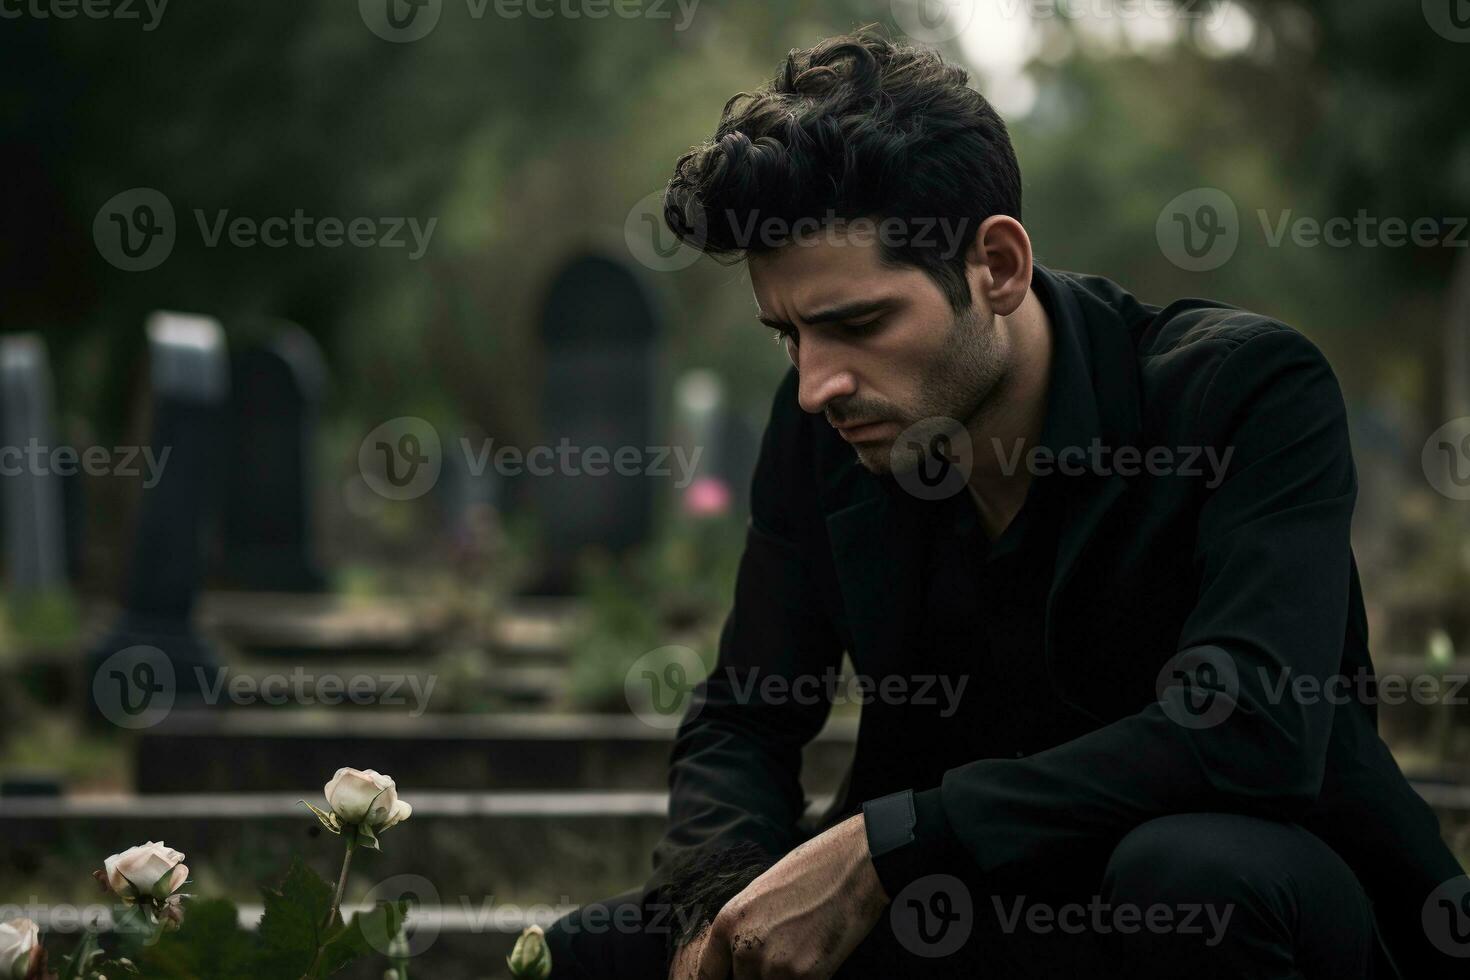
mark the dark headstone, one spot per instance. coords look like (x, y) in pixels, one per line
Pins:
(189, 371)
(267, 523)
(35, 546)
(601, 328)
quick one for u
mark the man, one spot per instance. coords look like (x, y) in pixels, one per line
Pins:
(1117, 537)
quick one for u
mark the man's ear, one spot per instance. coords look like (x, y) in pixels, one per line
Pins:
(998, 264)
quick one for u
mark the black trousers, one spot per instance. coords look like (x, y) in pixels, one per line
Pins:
(1196, 896)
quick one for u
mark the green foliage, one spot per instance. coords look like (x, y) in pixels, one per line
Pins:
(676, 589)
(212, 945)
(295, 917)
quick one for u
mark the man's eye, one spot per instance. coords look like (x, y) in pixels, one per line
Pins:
(783, 336)
(866, 327)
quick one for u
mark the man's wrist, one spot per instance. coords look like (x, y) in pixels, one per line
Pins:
(909, 837)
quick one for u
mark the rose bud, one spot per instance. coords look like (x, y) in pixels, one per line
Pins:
(531, 959)
(149, 871)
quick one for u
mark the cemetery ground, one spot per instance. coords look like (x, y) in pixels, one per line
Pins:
(503, 718)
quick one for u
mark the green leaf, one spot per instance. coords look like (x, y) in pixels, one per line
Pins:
(367, 933)
(328, 820)
(210, 945)
(366, 837)
(291, 928)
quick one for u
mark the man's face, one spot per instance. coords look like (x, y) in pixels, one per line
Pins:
(878, 348)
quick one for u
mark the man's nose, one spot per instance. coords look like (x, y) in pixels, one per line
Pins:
(821, 378)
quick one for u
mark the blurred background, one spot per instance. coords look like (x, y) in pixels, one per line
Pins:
(310, 314)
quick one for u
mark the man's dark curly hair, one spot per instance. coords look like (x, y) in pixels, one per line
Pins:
(856, 127)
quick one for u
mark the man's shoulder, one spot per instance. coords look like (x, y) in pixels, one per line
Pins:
(1207, 328)
(1181, 348)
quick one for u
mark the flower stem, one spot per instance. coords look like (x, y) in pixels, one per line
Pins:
(350, 832)
(342, 878)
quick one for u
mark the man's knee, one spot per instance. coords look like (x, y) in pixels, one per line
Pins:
(1244, 893)
(1194, 858)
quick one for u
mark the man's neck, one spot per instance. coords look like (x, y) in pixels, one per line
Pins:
(1003, 435)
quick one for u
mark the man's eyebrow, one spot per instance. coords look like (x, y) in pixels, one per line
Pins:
(842, 311)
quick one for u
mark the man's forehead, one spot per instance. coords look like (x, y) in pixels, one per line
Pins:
(809, 275)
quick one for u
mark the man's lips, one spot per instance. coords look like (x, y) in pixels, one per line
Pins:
(860, 431)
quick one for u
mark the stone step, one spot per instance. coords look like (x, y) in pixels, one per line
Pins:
(262, 750)
(419, 685)
(512, 847)
(287, 624)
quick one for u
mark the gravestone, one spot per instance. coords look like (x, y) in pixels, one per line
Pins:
(189, 375)
(267, 522)
(35, 540)
(601, 328)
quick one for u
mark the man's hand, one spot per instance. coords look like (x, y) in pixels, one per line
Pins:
(801, 918)
(686, 959)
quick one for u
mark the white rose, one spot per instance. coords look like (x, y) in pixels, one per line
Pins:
(20, 943)
(151, 870)
(365, 796)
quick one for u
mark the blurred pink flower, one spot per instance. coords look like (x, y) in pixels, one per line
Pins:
(707, 496)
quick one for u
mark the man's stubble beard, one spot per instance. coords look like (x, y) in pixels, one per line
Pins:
(960, 386)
